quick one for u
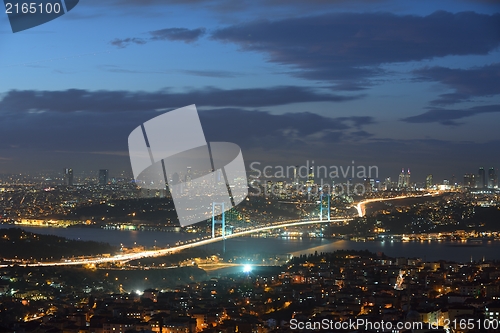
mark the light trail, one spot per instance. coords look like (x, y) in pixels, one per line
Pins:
(360, 207)
(162, 252)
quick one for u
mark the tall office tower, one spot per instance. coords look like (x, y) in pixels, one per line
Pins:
(368, 185)
(481, 178)
(401, 179)
(407, 179)
(372, 183)
(492, 178)
(428, 181)
(453, 182)
(388, 183)
(310, 177)
(189, 175)
(295, 175)
(103, 177)
(469, 180)
(68, 177)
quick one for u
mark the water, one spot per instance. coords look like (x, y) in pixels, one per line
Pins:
(114, 237)
(426, 250)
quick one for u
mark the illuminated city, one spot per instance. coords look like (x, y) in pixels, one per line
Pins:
(235, 166)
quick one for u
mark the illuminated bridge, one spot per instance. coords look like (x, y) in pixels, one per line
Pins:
(360, 207)
(189, 245)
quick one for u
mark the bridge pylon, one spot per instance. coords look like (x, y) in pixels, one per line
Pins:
(222, 220)
(321, 206)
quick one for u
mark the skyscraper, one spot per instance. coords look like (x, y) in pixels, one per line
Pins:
(429, 182)
(310, 177)
(388, 183)
(481, 178)
(404, 179)
(407, 179)
(103, 177)
(295, 176)
(68, 177)
(469, 180)
(401, 179)
(367, 183)
(492, 178)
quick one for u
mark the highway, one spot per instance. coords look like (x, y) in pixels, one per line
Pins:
(162, 252)
(360, 207)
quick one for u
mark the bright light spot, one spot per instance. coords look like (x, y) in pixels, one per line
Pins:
(247, 268)
(138, 292)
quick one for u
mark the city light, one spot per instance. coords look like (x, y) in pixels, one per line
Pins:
(247, 269)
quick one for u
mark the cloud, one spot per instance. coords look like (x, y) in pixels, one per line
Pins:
(96, 140)
(122, 43)
(262, 129)
(172, 34)
(351, 47)
(99, 139)
(178, 34)
(466, 83)
(212, 73)
(449, 117)
(73, 100)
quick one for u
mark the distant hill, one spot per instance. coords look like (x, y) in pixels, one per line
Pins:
(20, 244)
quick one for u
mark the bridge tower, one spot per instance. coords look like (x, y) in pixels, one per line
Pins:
(222, 220)
(321, 206)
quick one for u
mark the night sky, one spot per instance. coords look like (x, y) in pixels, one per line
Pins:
(413, 84)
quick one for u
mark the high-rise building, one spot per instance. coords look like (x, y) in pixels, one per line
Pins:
(401, 179)
(295, 175)
(310, 177)
(428, 181)
(388, 183)
(368, 185)
(404, 180)
(407, 179)
(469, 180)
(103, 177)
(68, 177)
(481, 178)
(492, 178)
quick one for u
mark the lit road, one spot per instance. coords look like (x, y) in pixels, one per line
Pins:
(360, 207)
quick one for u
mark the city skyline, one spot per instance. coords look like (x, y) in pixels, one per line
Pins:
(252, 166)
(468, 179)
(381, 83)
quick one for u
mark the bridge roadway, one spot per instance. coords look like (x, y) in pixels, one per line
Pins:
(360, 207)
(162, 252)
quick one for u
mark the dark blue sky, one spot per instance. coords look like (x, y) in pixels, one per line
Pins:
(412, 84)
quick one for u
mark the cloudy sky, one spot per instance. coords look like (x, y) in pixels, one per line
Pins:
(412, 84)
